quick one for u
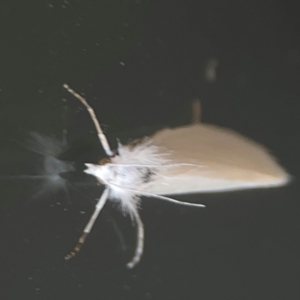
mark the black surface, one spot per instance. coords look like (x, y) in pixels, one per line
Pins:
(140, 63)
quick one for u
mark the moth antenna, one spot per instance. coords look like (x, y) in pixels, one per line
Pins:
(100, 133)
(196, 111)
(140, 240)
(89, 225)
(157, 196)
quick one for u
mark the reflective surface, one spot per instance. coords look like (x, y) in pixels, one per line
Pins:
(139, 63)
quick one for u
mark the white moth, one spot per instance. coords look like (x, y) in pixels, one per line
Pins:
(190, 159)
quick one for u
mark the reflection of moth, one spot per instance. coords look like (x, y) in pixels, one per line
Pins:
(191, 159)
(51, 170)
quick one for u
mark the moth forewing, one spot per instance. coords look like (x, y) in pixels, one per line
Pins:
(230, 161)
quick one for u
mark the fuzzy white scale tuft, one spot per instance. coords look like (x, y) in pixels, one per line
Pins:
(124, 181)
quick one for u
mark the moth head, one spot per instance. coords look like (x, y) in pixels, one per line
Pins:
(100, 171)
(104, 161)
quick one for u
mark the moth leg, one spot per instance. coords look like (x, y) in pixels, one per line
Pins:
(141, 193)
(100, 133)
(140, 241)
(196, 111)
(89, 225)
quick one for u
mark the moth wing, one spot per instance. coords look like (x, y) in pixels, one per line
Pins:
(229, 162)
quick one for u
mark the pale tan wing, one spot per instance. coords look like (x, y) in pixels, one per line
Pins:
(229, 161)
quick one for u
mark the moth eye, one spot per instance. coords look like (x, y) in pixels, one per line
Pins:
(104, 161)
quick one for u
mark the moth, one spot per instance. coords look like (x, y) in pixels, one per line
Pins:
(191, 159)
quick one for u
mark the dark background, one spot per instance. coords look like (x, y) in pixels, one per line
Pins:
(139, 63)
